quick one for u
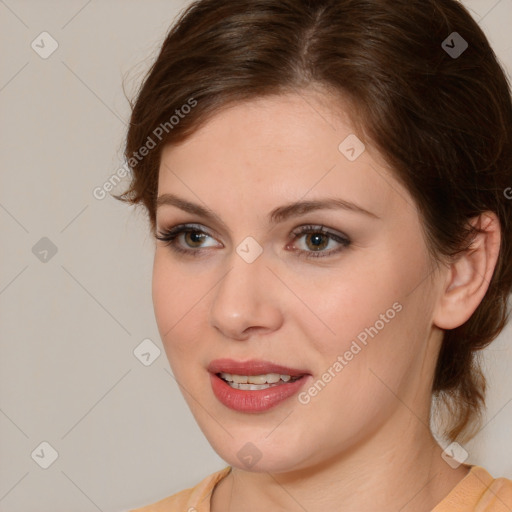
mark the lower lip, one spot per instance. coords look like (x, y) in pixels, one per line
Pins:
(253, 401)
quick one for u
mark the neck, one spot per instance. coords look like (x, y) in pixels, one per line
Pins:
(386, 473)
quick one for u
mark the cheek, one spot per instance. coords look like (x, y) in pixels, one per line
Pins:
(337, 307)
(378, 352)
(164, 295)
(370, 318)
(176, 302)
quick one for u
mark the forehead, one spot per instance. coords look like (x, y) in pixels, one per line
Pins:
(276, 149)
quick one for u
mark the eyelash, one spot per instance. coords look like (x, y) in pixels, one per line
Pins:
(170, 236)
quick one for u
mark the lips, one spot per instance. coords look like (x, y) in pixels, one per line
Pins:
(247, 398)
(252, 367)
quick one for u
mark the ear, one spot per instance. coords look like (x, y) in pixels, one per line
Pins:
(468, 278)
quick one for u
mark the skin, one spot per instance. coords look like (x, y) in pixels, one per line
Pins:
(363, 442)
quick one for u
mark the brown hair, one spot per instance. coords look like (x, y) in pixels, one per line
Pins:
(443, 122)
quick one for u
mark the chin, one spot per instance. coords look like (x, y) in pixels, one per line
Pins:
(256, 451)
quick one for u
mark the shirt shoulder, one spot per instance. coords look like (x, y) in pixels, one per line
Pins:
(194, 499)
(478, 491)
(498, 496)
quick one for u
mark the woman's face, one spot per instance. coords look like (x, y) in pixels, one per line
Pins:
(281, 274)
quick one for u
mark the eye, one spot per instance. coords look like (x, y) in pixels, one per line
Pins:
(316, 239)
(187, 238)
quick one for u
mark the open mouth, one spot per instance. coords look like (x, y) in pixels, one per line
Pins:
(254, 386)
(257, 382)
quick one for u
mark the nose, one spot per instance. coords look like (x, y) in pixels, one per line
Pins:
(246, 301)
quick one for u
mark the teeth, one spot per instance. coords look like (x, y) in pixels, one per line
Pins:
(243, 381)
(271, 378)
(249, 387)
(257, 379)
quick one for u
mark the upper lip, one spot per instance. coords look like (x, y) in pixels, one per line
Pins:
(252, 367)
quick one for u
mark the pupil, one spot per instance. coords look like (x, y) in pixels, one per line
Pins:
(318, 240)
(194, 238)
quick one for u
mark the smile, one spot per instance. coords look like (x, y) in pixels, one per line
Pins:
(256, 382)
(254, 386)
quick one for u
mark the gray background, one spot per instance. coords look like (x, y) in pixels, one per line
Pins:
(70, 321)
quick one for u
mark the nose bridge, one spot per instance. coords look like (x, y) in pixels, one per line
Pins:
(243, 300)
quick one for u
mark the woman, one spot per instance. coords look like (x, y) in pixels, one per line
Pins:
(326, 181)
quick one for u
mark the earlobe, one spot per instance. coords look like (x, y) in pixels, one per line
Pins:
(468, 277)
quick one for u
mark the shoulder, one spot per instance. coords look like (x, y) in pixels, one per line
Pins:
(497, 496)
(194, 499)
(479, 491)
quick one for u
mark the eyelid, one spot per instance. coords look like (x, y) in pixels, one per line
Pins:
(188, 226)
(317, 228)
(185, 227)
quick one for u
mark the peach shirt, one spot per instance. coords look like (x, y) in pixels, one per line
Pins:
(478, 491)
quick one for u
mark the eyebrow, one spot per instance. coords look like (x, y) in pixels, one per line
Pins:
(277, 215)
